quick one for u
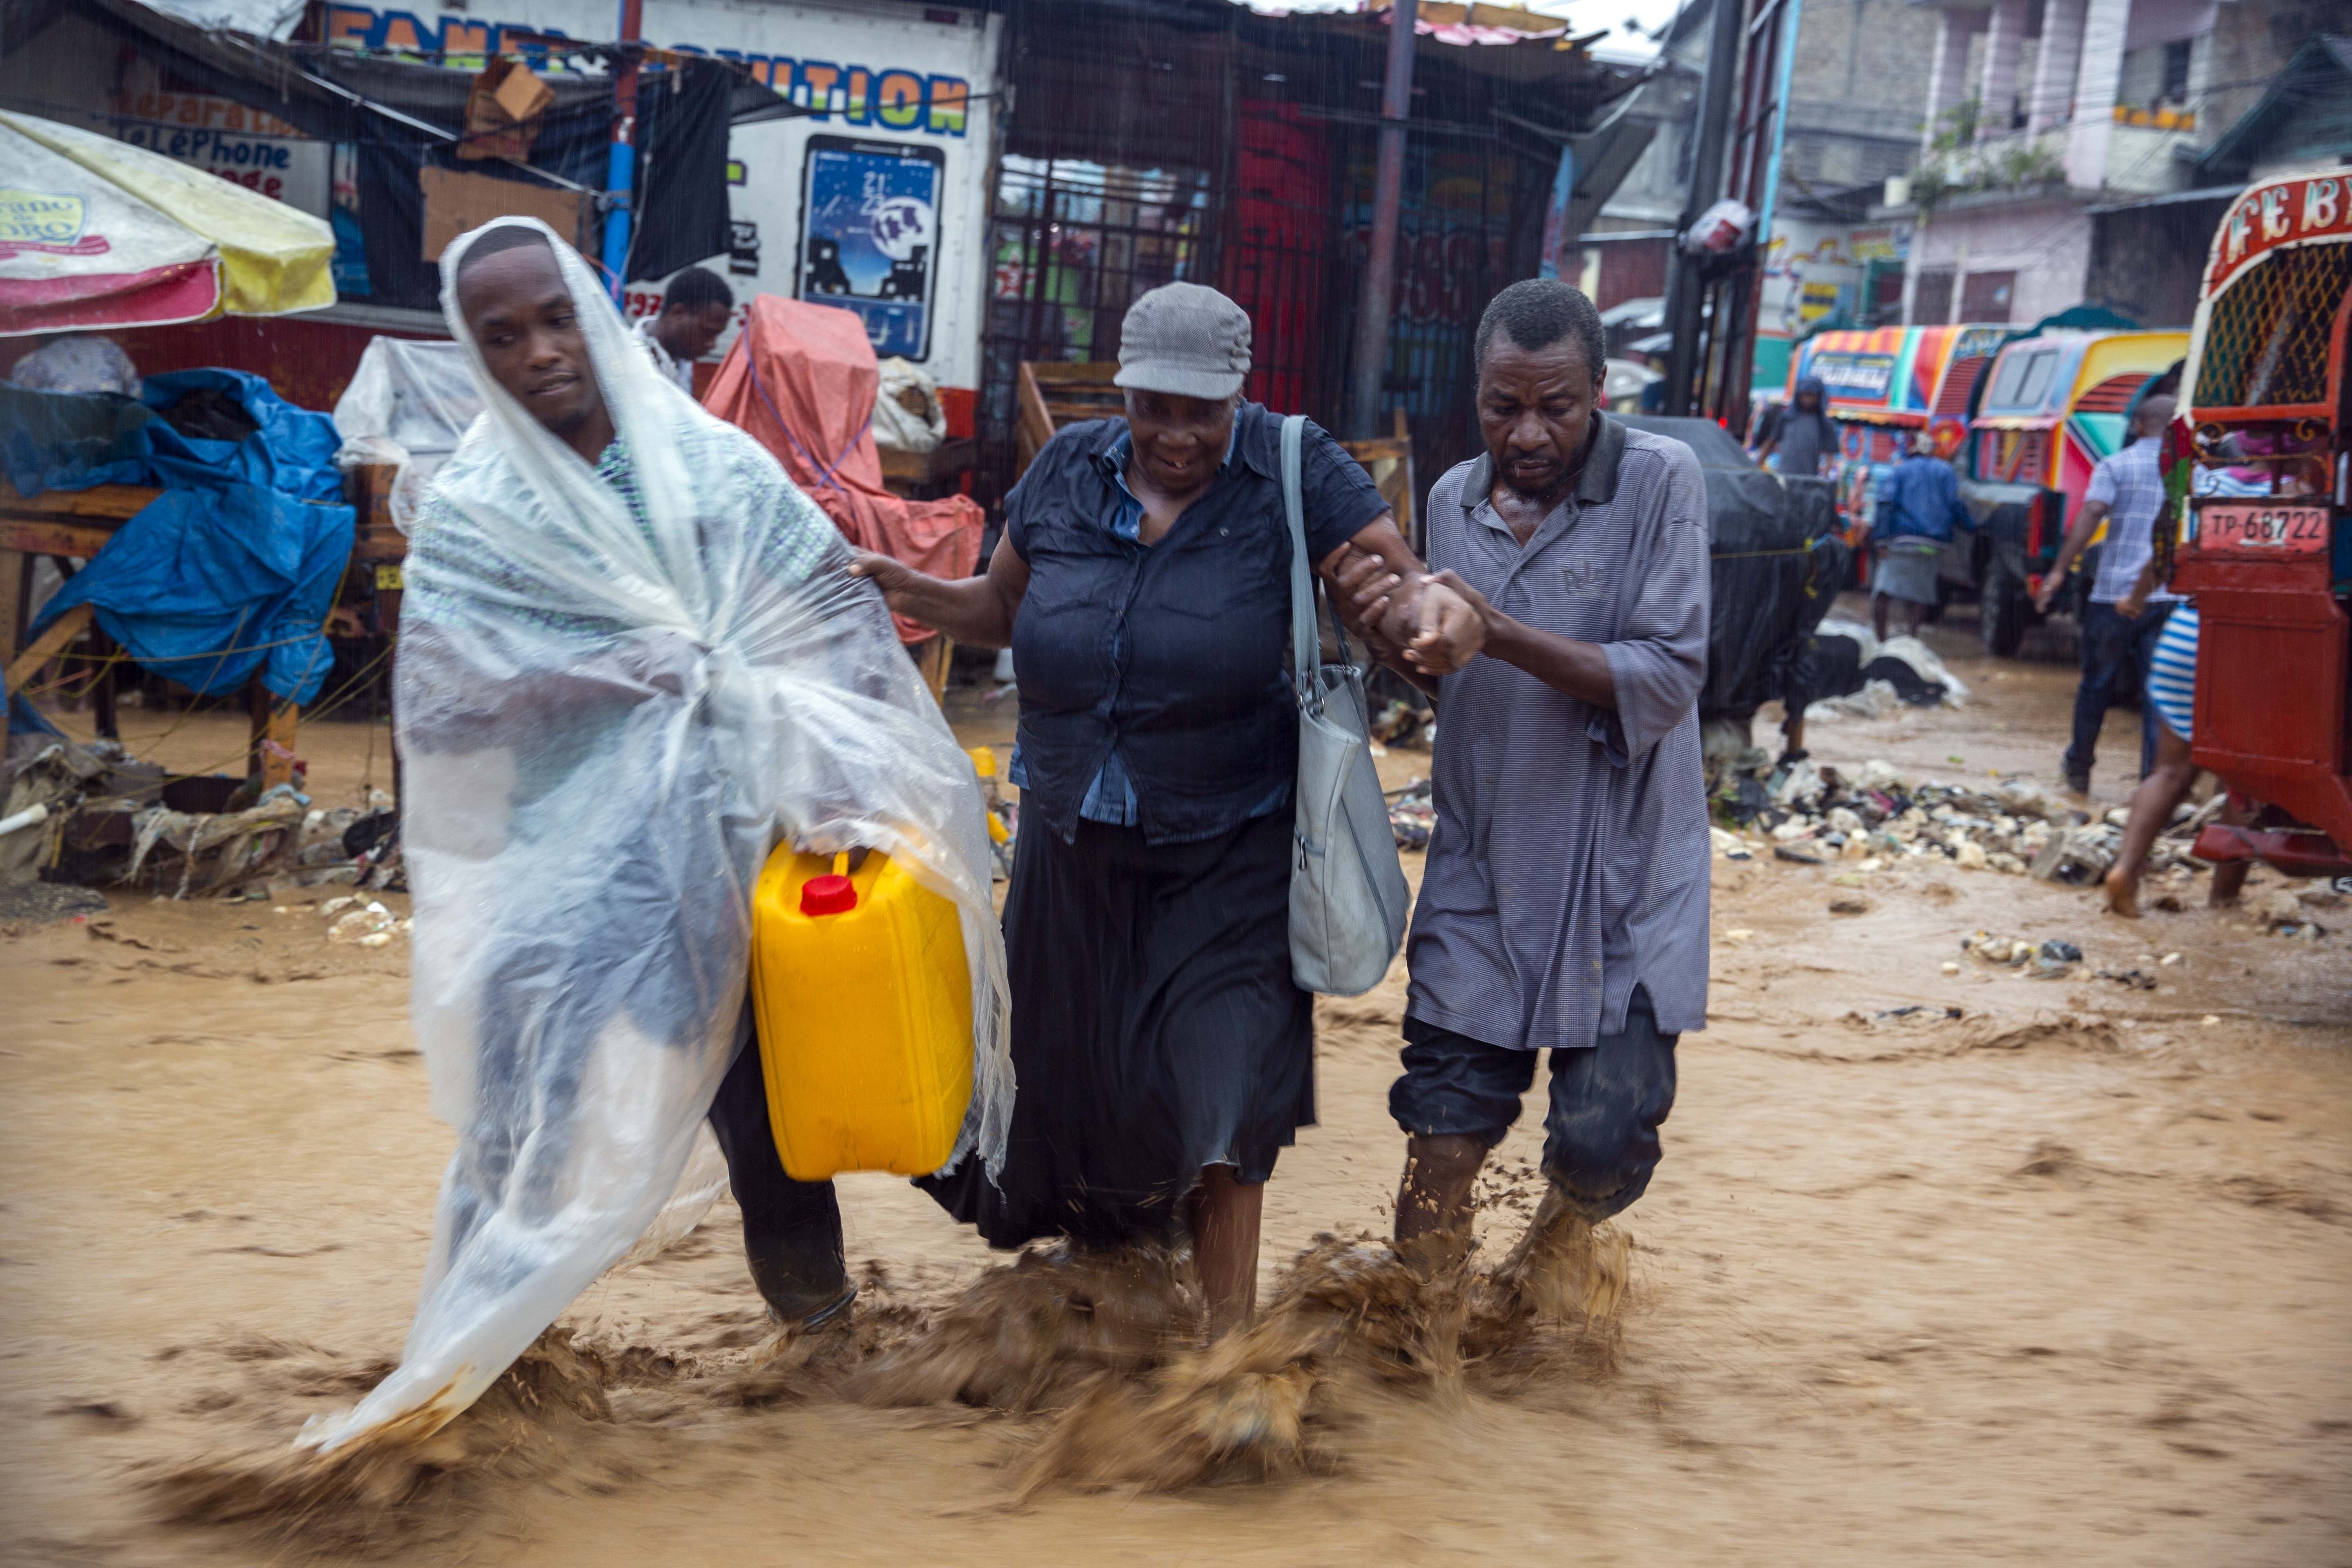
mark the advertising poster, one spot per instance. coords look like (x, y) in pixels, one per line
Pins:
(870, 236)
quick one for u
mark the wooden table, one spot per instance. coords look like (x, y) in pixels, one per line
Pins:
(75, 525)
(925, 476)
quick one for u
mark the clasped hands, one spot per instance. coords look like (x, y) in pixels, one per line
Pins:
(1436, 623)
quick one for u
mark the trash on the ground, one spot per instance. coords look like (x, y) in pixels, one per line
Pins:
(1994, 948)
(2137, 978)
(1868, 678)
(2287, 911)
(1402, 723)
(1412, 813)
(1737, 934)
(1876, 699)
(365, 923)
(1874, 818)
(2169, 958)
(2055, 960)
(1849, 904)
(1951, 967)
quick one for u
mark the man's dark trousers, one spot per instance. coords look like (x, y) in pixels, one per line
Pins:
(2116, 652)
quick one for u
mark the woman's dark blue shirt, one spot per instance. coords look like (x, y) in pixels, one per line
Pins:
(1167, 662)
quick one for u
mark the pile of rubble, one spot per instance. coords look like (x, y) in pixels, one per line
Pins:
(1875, 818)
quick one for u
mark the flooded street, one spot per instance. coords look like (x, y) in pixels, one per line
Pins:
(1937, 1268)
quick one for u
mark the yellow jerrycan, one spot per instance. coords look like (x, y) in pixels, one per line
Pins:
(863, 999)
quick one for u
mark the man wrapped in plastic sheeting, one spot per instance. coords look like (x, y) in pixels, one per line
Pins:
(631, 665)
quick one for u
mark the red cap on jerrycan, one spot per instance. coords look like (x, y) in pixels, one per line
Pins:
(833, 894)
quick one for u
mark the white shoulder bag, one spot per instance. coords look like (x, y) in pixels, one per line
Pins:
(1348, 895)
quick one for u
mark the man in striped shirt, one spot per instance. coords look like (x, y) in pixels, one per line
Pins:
(2127, 491)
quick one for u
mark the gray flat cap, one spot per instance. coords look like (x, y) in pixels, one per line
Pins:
(1184, 339)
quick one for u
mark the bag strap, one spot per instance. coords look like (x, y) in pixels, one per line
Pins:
(1304, 655)
(1302, 580)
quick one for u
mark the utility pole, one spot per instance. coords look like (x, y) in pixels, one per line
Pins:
(1685, 290)
(621, 164)
(1388, 193)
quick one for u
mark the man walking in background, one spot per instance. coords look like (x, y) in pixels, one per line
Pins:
(1805, 436)
(695, 308)
(2127, 491)
(1918, 510)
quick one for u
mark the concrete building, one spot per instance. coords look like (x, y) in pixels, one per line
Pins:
(2044, 119)
(1860, 73)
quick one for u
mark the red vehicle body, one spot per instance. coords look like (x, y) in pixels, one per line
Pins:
(2271, 575)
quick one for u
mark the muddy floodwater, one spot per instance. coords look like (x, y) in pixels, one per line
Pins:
(1939, 1268)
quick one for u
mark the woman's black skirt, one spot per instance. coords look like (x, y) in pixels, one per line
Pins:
(1155, 1031)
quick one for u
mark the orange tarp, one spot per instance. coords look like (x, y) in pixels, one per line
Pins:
(802, 379)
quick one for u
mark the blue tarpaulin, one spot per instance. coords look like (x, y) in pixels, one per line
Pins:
(232, 569)
(71, 441)
(207, 586)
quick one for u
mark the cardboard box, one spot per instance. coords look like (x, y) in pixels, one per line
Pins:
(455, 202)
(522, 94)
(492, 127)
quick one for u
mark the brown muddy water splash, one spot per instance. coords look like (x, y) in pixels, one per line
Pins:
(1102, 1350)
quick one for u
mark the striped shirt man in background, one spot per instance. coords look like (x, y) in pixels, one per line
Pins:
(2127, 491)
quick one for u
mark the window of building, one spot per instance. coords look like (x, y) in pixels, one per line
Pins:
(1986, 296)
(1931, 300)
(2175, 70)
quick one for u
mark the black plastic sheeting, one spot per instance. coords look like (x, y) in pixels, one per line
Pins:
(1776, 565)
(682, 215)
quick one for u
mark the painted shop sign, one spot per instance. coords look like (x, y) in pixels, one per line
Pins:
(2278, 214)
(889, 97)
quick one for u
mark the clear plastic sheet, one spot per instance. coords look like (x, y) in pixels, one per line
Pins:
(409, 403)
(608, 720)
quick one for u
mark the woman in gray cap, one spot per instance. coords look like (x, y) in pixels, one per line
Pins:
(1165, 1058)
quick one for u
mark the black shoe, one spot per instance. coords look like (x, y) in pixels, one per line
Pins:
(794, 1317)
(2079, 783)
